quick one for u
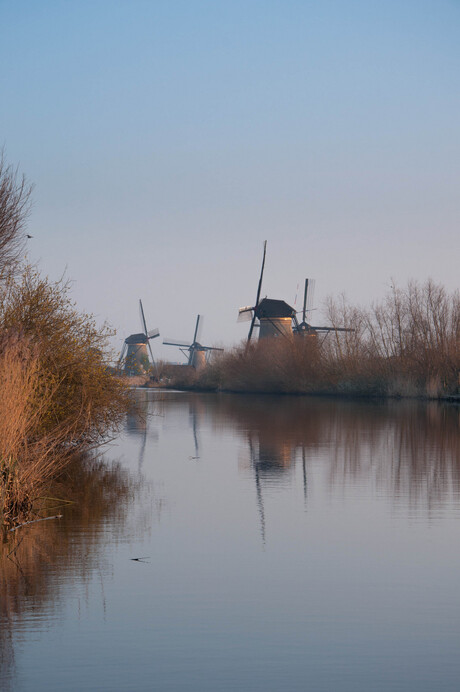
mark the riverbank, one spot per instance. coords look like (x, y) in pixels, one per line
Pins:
(407, 346)
(198, 388)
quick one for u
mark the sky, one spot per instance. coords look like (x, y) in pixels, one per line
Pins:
(167, 139)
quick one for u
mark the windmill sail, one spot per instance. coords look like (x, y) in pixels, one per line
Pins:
(304, 327)
(245, 314)
(259, 288)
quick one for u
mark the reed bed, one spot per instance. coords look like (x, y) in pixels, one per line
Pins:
(58, 396)
(406, 345)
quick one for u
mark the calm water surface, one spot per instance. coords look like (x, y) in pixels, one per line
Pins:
(288, 544)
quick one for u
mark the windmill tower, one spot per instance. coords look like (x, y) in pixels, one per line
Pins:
(303, 328)
(274, 316)
(195, 353)
(134, 359)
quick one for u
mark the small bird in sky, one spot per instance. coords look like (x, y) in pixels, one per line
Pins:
(29, 236)
(140, 559)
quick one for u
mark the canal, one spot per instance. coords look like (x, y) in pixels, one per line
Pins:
(255, 543)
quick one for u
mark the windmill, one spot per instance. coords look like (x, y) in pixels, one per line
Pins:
(274, 316)
(304, 328)
(134, 358)
(195, 353)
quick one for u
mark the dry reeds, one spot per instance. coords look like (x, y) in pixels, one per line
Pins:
(407, 345)
(27, 458)
(15, 194)
(58, 396)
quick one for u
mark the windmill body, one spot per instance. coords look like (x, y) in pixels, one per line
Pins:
(198, 358)
(275, 318)
(136, 360)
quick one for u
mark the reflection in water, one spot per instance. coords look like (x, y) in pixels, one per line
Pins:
(96, 493)
(211, 588)
(409, 449)
(138, 417)
(193, 419)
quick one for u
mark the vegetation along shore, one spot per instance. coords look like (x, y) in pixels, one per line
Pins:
(58, 399)
(405, 346)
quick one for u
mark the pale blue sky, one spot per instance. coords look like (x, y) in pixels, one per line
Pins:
(168, 139)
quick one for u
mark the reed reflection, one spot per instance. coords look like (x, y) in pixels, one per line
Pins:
(409, 449)
(38, 560)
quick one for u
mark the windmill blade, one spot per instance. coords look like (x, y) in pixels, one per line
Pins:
(151, 353)
(197, 326)
(259, 288)
(141, 312)
(183, 344)
(251, 328)
(123, 351)
(212, 348)
(311, 294)
(245, 314)
(153, 333)
(200, 328)
(331, 329)
(308, 297)
(304, 309)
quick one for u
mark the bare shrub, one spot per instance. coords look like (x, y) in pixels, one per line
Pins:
(27, 457)
(416, 332)
(58, 396)
(406, 345)
(15, 194)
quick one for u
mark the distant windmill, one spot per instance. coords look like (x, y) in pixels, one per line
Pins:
(134, 358)
(195, 353)
(275, 316)
(304, 328)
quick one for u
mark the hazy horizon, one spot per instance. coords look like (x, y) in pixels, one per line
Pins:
(167, 140)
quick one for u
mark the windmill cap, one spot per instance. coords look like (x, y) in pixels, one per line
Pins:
(136, 339)
(273, 308)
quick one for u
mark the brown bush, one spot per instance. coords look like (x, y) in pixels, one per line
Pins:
(58, 396)
(57, 393)
(407, 345)
(14, 209)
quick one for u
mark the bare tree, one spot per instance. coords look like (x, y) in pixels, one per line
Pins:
(15, 204)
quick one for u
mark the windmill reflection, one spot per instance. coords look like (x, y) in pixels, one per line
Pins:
(194, 412)
(138, 420)
(409, 450)
(272, 457)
